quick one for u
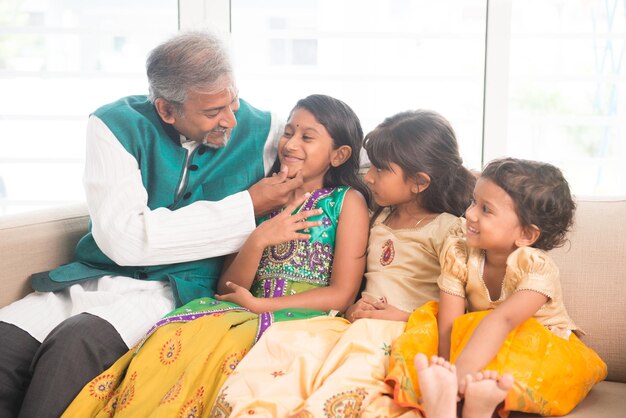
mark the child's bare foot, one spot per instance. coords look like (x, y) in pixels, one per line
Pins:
(483, 393)
(438, 386)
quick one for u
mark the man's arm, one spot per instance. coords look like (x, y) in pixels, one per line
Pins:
(130, 233)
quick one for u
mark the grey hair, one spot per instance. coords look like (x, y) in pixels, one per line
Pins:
(188, 61)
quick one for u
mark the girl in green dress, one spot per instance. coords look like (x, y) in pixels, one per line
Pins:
(304, 261)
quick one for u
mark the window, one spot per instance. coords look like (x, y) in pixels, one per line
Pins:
(538, 79)
(561, 96)
(379, 56)
(59, 61)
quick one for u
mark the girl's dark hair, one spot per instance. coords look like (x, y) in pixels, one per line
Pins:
(344, 127)
(541, 195)
(423, 141)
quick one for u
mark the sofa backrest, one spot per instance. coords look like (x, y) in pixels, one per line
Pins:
(593, 276)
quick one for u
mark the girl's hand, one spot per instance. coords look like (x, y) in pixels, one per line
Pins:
(242, 297)
(284, 227)
(360, 305)
(383, 310)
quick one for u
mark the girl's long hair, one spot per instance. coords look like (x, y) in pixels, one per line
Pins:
(422, 141)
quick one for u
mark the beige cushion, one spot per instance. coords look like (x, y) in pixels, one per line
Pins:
(36, 241)
(593, 275)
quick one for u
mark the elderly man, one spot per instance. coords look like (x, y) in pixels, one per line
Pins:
(172, 183)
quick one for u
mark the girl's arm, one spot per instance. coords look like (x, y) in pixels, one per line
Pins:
(450, 308)
(490, 334)
(241, 268)
(347, 271)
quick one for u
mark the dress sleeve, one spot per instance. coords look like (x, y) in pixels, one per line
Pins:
(453, 259)
(533, 269)
(457, 229)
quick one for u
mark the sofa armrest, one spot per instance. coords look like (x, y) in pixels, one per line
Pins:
(37, 241)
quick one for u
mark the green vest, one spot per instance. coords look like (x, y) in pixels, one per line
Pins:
(212, 175)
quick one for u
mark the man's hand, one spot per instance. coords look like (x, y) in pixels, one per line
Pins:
(273, 192)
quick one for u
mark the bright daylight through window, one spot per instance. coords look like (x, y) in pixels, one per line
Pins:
(537, 79)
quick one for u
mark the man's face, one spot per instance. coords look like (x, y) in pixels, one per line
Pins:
(207, 118)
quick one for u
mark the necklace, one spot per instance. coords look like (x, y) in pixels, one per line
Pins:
(388, 218)
(419, 221)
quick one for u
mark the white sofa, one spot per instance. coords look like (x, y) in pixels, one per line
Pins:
(593, 275)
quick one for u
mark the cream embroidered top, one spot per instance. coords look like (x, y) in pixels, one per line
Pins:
(403, 264)
(527, 269)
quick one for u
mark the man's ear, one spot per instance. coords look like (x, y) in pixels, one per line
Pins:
(340, 155)
(166, 110)
(422, 181)
(530, 235)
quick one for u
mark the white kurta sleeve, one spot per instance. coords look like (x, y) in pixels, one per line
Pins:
(270, 151)
(130, 233)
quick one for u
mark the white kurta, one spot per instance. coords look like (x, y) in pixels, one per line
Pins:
(130, 233)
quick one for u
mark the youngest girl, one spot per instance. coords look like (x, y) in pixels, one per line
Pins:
(517, 323)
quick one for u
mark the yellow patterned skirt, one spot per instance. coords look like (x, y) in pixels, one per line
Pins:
(552, 374)
(177, 372)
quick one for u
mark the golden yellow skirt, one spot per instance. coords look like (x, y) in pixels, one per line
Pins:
(177, 372)
(552, 374)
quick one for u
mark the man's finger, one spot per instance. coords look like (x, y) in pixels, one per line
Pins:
(281, 176)
(295, 182)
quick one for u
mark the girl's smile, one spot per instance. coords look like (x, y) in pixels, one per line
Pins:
(306, 146)
(472, 231)
(492, 222)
